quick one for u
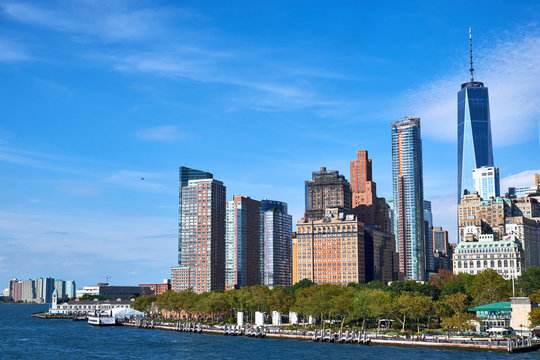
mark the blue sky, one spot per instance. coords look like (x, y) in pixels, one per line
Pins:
(97, 94)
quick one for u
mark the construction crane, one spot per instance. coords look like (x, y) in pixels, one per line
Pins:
(107, 277)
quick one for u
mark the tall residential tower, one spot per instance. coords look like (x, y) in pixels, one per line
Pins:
(186, 174)
(202, 265)
(407, 176)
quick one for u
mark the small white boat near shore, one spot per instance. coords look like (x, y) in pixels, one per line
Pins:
(100, 320)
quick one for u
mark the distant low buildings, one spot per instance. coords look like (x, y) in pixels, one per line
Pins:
(158, 289)
(114, 292)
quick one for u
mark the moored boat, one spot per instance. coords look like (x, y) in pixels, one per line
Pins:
(100, 320)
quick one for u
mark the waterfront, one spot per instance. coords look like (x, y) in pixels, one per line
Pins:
(25, 337)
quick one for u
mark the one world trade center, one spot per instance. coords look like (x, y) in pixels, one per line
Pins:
(474, 131)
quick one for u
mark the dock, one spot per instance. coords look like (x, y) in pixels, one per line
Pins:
(474, 344)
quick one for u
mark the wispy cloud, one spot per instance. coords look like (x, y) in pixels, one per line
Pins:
(511, 71)
(167, 133)
(140, 181)
(111, 20)
(524, 178)
(12, 51)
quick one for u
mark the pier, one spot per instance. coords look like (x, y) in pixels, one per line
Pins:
(349, 337)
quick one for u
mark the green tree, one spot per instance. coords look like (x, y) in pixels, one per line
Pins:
(457, 303)
(529, 281)
(281, 299)
(416, 306)
(534, 317)
(460, 322)
(144, 303)
(488, 287)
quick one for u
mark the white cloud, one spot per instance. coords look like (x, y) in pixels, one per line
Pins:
(11, 51)
(140, 181)
(168, 133)
(524, 178)
(109, 21)
(510, 69)
(86, 246)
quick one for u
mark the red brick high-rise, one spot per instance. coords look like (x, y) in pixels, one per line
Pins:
(369, 209)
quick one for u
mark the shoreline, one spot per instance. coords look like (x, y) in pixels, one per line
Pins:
(373, 341)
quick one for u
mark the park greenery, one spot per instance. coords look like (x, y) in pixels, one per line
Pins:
(441, 302)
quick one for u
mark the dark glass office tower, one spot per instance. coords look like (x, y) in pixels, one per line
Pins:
(187, 174)
(474, 132)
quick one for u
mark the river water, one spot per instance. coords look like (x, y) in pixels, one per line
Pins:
(25, 337)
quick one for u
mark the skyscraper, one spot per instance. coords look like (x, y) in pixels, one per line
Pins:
(440, 240)
(327, 189)
(242, 238)
(486, 182)
(428, 233)
(369, 209)
(186, 174)
(70, 288)
(407, 176)
(203, 237)
(474, 131)
(331, 250)
(276, 244)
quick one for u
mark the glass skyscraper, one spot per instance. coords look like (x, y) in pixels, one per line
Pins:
(186, 174)
(474, 132)
(242, 237)
(276, 244)
(407, 176)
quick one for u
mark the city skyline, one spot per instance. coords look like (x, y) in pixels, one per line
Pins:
(103, 106)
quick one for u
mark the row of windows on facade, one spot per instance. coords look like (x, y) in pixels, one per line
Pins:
(485, 264)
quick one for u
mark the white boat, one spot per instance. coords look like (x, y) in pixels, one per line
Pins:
(101, 320)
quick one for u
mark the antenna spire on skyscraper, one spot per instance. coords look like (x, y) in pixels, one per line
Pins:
(470, 48)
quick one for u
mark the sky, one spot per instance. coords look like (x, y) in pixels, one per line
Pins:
(96, 95)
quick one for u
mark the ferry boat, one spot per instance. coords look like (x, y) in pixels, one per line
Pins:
(101, 320)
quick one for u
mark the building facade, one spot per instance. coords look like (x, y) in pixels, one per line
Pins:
(408, 197)
(331, 250)
(528, 231)
(60, 287)
(486, 182)
(381, 261)
(327, 189)
(276, 243)
(486, 252)
(428, 241)
(477, 216)
(474, 133)
(203, 237)
(70, 288)
(28, 291)
(440, 240)
(242, 236)
(186, 174)
(158, 289)
(368, 208)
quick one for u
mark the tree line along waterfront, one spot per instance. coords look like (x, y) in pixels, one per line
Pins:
(440, 303)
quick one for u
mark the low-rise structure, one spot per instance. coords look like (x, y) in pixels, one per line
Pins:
(158, 289)
(114, 292)
(484, 252)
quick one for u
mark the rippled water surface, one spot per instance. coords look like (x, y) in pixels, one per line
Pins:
(25, 337)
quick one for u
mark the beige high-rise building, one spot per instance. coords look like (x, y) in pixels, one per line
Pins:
(295, 259)
(331, 250)
(477, 216)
